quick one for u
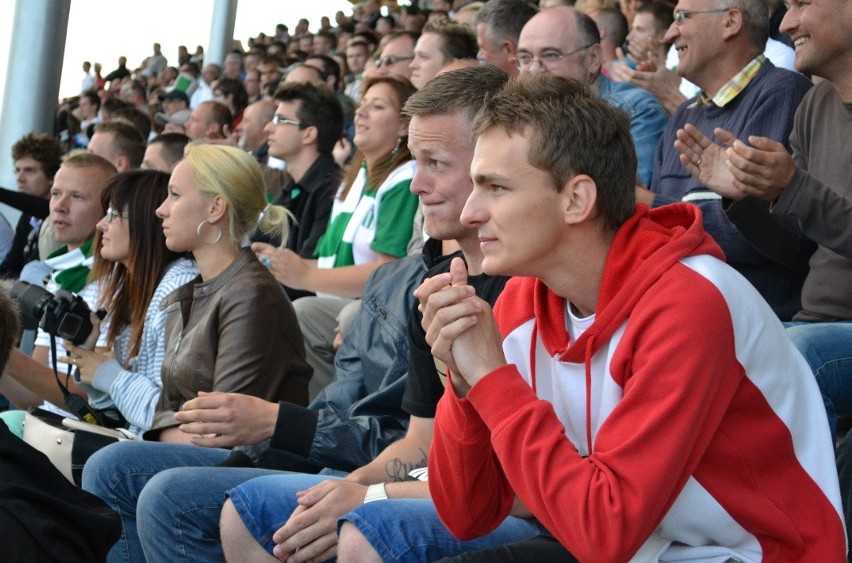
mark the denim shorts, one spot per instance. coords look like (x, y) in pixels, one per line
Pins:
(398, 529)
(410, 530)
(266, 503)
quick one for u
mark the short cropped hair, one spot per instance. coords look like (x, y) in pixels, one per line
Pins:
(615, 24)
(44, 149)
(457, 40)
(138, 118)
(755, 19)
(571, 131)
(462, 90)
(83, 159)
(319, 108)
(126, 139)
(93, 97)
(368, 36)
(587, 30)
(173, 145)
(111, 105)
(328, 36)
(220, 115)
(330, 68)
(661, 12)
(506, 18)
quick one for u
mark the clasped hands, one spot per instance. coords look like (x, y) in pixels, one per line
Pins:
(734, 169)
(460, 327)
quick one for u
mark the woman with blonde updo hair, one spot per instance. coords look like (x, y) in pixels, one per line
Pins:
(233, 328)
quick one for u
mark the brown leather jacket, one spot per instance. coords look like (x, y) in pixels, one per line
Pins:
(235, 333)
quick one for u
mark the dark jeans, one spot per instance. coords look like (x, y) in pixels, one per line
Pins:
(540, 549)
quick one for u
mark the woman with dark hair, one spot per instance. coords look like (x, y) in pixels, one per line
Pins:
(137, 271)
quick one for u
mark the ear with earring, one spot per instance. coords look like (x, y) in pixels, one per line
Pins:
(397, 147)
(218, 233)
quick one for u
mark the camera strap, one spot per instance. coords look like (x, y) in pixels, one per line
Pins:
(74, 402)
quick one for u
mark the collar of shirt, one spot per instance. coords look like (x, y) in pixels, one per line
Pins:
(736, 85)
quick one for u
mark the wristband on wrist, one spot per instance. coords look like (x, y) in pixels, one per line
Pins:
(375, 492)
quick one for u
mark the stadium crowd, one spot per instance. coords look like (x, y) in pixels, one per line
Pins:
(421, 284)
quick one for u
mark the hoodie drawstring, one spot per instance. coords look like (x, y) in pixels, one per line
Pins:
(587, 360)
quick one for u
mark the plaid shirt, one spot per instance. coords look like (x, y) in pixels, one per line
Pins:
(736, 85)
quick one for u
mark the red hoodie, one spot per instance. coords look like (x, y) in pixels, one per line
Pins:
(682, 423)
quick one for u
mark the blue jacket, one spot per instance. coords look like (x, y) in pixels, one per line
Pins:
(359, 413)
(647, 120)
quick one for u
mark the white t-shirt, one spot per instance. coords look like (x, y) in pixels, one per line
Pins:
(89, 293)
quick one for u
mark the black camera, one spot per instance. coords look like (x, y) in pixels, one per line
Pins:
(63, 315)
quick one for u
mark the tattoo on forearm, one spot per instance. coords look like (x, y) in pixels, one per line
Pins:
(397, 469)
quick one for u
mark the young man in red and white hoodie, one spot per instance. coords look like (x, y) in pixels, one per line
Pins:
(633, 392)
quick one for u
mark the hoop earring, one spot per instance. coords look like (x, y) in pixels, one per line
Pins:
(396, 148)
(218, 235)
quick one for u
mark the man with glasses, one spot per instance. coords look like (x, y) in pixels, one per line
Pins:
(303, 132)
(720, 46)
(397, 54)
(564, 42)
(810, 194)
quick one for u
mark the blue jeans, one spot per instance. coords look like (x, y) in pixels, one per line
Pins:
(399, 529)
(264, 504)
(118, 473)
(410, 530)
(177, 516)
(827, 347)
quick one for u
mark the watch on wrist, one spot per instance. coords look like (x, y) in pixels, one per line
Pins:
(375, 492)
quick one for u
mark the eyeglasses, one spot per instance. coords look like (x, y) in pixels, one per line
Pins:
(112, 214)
(281, 120)
(391, 60)
(547, 58)
(681, 15)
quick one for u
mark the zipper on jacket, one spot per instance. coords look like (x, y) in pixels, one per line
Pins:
(174, 357)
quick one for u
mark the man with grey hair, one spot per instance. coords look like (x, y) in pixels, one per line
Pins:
(498, 27)
(720, 48)
(565, 42)
(810, 195)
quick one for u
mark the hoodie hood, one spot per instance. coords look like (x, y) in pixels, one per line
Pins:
(645, 247)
